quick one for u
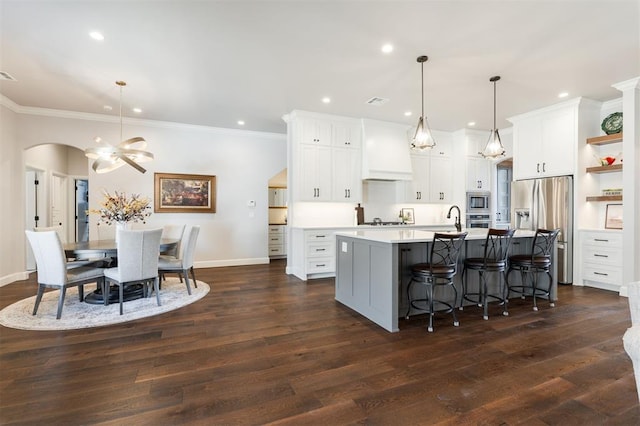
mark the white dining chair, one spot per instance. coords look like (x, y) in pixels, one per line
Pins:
(174, 232)
(138, 252)
(182, 265)
(53, 271)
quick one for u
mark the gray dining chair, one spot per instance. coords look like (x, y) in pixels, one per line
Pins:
(182, 265)
(174, 232)
(55, 272)
(138, 252)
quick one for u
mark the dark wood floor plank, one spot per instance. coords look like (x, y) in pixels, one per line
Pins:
(266, 348)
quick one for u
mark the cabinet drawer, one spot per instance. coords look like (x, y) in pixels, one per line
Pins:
(276, 229)
(276, 239)
(321, 264)
(320, 236)
(602, 273)
(276, 250)
(320, 249)
(612, 239)
(604, 255)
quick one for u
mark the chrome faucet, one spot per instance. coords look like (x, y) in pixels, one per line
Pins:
(457, 220)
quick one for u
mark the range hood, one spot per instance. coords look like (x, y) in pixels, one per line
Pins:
(385, 151)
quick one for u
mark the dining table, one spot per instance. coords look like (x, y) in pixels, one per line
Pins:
(96, 250)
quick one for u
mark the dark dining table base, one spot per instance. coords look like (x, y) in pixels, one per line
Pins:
(130, 292)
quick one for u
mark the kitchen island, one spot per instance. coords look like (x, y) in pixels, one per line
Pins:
(373, 268)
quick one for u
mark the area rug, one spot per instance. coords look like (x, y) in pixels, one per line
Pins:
(76, 314)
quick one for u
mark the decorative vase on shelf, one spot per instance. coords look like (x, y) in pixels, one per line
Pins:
(122, 226)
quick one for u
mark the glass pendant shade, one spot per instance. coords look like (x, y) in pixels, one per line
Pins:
(494, 147)
(422, 139)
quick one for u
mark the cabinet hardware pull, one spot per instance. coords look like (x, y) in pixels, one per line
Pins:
(538, 167)
(320, 249)
(601, 240)
(320, 264)
(600, 273)
(544, 167)
(320, 236)
(600, 255)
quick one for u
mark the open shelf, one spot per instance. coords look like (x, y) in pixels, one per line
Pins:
(605, 198)
(605, 169)
(605, 140)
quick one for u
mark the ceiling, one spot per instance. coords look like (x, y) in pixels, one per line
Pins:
(213, 63)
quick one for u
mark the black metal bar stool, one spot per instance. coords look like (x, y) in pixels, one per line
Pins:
(496, 251)
(539, 261)
(439, 271)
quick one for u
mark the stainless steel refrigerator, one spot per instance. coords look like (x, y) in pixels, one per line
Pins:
(547, 203)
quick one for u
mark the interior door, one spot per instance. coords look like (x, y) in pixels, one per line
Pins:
(58, 203)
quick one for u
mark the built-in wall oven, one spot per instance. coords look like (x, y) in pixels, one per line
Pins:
(478, 221)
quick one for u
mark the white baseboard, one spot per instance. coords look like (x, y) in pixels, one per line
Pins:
(18, 276)
(230, 262)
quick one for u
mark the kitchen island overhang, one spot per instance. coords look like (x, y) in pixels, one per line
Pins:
(372, 268)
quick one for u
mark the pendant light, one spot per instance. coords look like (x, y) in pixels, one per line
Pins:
(494, 146)
(108, 157)
(423, 139)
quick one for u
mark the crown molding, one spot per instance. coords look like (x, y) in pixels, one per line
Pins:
(75, 115)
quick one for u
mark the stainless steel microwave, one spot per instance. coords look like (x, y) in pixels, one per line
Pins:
(478, 202)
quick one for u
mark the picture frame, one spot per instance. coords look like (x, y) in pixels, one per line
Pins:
(407, 215)
(184, 193)
(613, 217)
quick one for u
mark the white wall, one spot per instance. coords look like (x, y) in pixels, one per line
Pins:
(242, 162)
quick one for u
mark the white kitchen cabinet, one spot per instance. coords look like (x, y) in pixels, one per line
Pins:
(326, 158)
(277, 241)
(478, 174)
(347, 182)
(346, 134)
(277, 197)
(314, 171)
(312, 253)
(314, 131)
(601, 259)
(545, 142)
(432, 180)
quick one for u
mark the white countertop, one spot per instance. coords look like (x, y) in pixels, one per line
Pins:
(449, 227)
(390, 236)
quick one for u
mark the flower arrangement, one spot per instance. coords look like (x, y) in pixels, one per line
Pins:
(118, 208)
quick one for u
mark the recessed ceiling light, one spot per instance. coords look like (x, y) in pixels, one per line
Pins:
(326, 100)
(387, 48)
(471, 123)
(96, 35)
(107, 107)
(408, 113)
(240, 122)
(137, 110)
(563, 94)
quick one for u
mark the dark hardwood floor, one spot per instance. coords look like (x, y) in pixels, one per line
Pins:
(263, 347)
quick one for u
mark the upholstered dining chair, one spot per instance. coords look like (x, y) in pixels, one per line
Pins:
(174, 232)
(182, 265)
(53, 269)
(138, 252)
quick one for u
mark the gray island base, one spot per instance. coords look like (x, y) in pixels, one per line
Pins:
(373, 269)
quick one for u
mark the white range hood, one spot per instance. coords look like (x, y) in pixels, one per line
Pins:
(385, 151)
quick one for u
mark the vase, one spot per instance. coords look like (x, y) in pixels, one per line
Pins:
(122, 226)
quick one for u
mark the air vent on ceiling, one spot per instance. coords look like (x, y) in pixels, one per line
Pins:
(6, 76)
(376, 101)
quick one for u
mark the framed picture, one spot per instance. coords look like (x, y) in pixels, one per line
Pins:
(178, 193)
(613, 219)
(407, 215)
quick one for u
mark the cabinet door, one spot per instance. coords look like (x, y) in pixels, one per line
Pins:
(347, 135)
(417, 190)
(527, 139)
(441, 180)
(478, 174)
(314, 132)
(347, 181)
(558, 143)
(315, 173)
